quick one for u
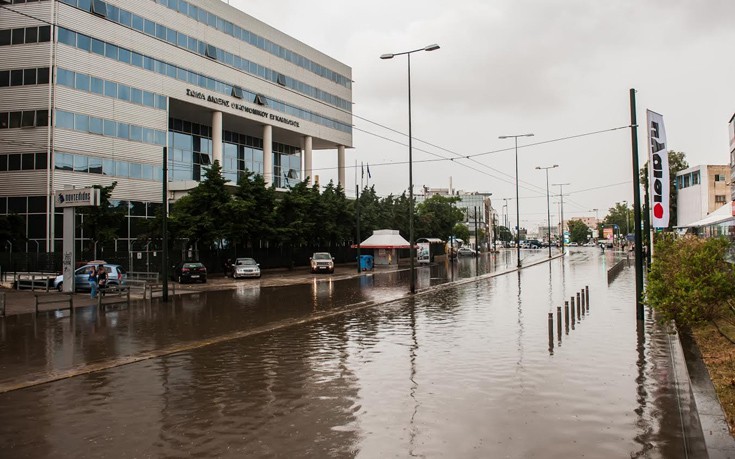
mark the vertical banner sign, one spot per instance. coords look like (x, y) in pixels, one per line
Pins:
(658, 170)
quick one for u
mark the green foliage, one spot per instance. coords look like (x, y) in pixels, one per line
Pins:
(200, 216)
(620, 215)
(437, 217)
(578, 231)
(460, 231)
(690, 281)
(251, 212)
(102, 222)
(504, 234)
(12, 229)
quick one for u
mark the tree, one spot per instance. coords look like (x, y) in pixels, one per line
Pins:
(202, 215)
(677, 162)
(504, 234)
(101, 223)
(13, 230)
(460, 231)
(437, 217)
(578, 231)
(617, 216)
(251, 210)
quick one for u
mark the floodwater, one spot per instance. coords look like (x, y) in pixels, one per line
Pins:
(353, 368)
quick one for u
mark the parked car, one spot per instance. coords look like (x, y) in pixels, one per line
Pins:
(466, 252)
(116, 275)
(245, 267)
(322, 261)
(189, 271)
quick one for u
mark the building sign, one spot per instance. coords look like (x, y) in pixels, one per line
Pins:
(234, 106)
(79, 197)
(658, 170)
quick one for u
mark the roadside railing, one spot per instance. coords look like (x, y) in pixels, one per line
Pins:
(112, 295)
(157, 287)
(613, 272)
(63, 298)
(33, 281)
(143, 275)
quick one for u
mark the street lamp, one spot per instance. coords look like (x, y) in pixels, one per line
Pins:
(548, 203)
(410, 156)
(561, 195)
(518, 211)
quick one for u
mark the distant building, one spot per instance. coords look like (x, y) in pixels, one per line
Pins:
(477, 207)
(700, 190)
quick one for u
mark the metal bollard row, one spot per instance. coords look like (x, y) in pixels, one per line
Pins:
(579, 305)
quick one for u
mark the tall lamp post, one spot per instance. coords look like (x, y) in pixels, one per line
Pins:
(561, 225)
(518, 210)
(548, 202)
(432, 47)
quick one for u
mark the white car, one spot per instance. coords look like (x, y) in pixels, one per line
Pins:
(322, 261)
(245, 267)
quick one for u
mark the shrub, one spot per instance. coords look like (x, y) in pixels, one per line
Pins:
(690, 281)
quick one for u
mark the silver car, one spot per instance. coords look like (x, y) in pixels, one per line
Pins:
(245, 267)
(116, 275)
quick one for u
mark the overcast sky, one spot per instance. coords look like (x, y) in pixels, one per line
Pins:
(554, 68)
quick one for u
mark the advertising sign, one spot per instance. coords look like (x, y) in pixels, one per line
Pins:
(658, 170)
(78, 197)
(423, 255)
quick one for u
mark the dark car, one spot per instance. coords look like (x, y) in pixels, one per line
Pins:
(189, 271)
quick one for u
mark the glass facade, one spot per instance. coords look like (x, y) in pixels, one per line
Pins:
(181, 40)
(191, 149)
(80, 41)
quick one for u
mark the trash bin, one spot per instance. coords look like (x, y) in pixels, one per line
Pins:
(366, 262)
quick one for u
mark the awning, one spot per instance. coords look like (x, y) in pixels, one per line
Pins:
(385, 239)
(721, 215)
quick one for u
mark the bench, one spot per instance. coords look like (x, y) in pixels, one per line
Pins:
(65, 298)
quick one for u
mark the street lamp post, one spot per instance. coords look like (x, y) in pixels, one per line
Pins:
(518, 210)
(410, 157)
(548, 202)
(561, 225)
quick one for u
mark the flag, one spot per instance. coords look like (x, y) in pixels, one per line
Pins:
(368, 171)
(658, 170)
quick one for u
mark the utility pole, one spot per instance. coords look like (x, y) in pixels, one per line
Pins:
(561, 195)
(637, 204)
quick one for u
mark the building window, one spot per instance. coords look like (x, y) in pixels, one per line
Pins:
(719, 178)
(720, 198)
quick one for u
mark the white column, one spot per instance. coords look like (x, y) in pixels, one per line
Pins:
(268, 154)
(307, 171)
(217, 137)
(341, 165)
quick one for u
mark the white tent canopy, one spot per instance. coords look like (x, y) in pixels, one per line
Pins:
(385, 239)
(721, 215)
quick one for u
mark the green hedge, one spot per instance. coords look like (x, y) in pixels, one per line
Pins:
(690, 281)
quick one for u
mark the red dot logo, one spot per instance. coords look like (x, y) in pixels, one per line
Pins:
(658, 210)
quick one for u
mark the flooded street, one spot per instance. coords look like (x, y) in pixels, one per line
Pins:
(353, 368)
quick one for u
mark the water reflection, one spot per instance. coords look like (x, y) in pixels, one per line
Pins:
(457, 372)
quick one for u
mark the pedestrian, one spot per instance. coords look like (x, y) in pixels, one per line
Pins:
(228, 267)
(101, 278)
(92, 282)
